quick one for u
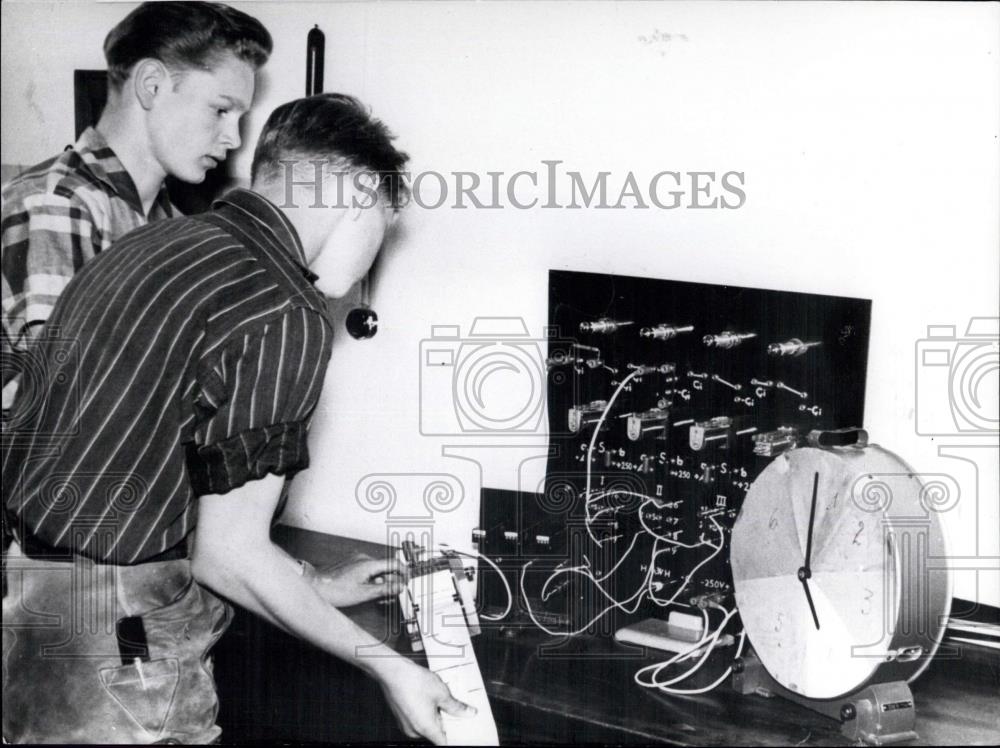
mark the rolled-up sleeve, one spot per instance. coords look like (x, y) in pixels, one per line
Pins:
(255, 400)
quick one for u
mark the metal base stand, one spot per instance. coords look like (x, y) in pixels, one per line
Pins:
(879, 714)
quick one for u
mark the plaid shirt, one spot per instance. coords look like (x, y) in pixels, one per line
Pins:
(57, 216)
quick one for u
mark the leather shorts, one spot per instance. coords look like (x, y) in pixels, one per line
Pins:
(64, 677)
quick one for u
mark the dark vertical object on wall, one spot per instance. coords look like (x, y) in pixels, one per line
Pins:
(315, 46)
(90, 92)
(361, 322)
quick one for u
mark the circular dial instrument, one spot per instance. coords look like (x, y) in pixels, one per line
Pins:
(839, 570)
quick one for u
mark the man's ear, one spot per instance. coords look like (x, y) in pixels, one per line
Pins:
(149, 79)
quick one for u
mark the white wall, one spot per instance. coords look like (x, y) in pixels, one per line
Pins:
(867, 134)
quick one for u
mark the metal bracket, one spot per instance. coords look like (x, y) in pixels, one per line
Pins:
(853, 436)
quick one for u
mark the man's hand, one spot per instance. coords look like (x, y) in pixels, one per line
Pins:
(234, 556)
(415, 694)
(357, 581)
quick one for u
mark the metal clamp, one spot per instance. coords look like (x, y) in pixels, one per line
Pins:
(853, 436)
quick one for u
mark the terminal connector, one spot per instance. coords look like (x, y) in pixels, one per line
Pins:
(640, 424)
(730, 385)
(727, 339)
(793, 347)
(786, 388)
(590, 356)
(604, 325)
(561, 358)
(583, 415)
(644, 369)
(714, 432)
(705, 600)
(664, 332)
(773, 443)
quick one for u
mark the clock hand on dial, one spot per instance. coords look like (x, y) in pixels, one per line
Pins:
(805, 572)
(809, 599)
(812, 520)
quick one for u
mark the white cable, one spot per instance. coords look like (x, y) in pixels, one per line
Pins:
(585, 570)
(590, 451)
(657, 536)
(715, 552)
(649, 500)
(678, 657)
(620, 492)
(707, 646)
(664, 538)
(605, 510)
(714, 684)
(614, 568)
(708, 643)
(503, 578)
(615, 604)
(646, 586)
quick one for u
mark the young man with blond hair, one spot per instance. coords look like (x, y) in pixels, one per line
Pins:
(180, 77)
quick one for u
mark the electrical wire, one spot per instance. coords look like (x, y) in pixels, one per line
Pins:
(711, 686)
(590, 450)
(642, 521)
(614, 604)
(585, 570)
(664, 538)
(706, 643)
(715, 552)
(605, 510)
(503, 578)
(648, 586)
(714, 684)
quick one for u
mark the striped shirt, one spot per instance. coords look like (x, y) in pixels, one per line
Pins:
(188, 361)
(55, 217)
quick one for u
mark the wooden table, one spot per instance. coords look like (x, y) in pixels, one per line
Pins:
(274, 687)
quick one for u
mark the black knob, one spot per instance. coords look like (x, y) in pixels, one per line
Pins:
(361, 323)
(847, 712)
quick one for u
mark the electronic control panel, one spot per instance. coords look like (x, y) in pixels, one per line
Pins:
(665, 401)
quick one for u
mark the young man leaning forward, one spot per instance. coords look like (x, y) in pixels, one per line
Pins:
(198, 351)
